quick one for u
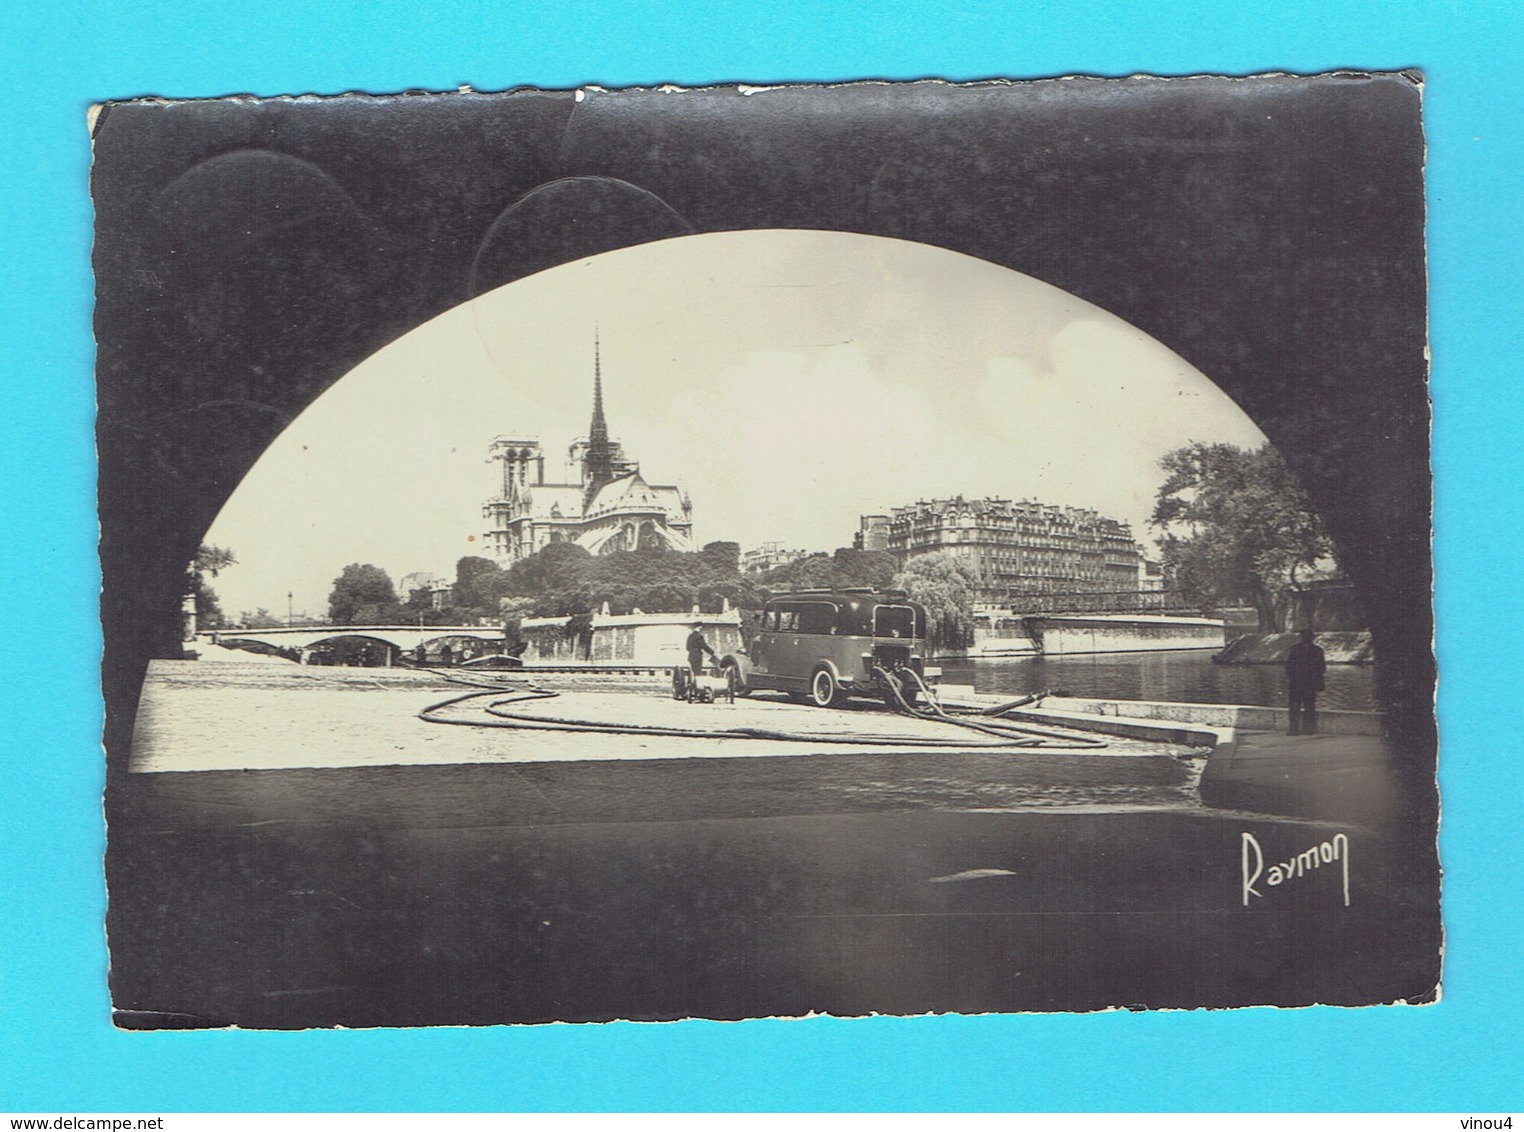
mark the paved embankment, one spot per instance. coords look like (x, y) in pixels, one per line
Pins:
(1126, 719)
(1323, 777)
(1344, 773)
(269, 716)
(224, 717)
(483, 894)
(517, 889)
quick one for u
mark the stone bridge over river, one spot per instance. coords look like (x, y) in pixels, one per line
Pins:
(404, 637)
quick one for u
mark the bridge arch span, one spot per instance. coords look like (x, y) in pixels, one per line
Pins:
(406, 638)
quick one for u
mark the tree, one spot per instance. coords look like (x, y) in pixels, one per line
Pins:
(213, 559)
(724, 557)
(479, 584)
(363, 594)
(557, 566)
(260, 618)
(564, 579)
(513, 610)
(847, 567)
(1235, 525)
(875, 568)
(208, 609)
(947, 588)
(209, 560)
(815, 572)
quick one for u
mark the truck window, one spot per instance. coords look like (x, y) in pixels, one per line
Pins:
(894, 621)
(817, 617)
(855, 618)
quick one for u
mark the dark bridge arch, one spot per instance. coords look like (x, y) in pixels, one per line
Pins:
(1279, 251)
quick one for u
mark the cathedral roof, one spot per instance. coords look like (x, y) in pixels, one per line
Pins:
(565, 499)
(632, 493)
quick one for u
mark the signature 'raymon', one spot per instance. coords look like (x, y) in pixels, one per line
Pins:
(1336, 849)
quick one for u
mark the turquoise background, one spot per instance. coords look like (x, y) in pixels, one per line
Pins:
(58, 1051)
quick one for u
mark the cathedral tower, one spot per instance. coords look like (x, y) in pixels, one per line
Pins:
(598, 464)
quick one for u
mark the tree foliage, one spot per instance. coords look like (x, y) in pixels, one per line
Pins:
(723, 557)
(209, 560)
(814, 572)
(363, 595)
(947, 588)
(1236, 526)
(846, 568)
(213, 559)
(875, 568)
(479, 583)
(558, 566)
(563, 580)
(208, 608)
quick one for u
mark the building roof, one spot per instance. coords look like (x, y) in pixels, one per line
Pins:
(998, 506)
(632, 493)
(564, 498)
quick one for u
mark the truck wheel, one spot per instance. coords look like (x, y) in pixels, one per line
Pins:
(824, 691)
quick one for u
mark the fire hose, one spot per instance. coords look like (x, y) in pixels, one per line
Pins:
(507, 716)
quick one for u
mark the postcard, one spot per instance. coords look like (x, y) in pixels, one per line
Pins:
(742, 552)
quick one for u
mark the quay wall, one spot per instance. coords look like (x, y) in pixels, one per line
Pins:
(1245, 717)
(1058, 635)
(1063, 636)
(1272, 648)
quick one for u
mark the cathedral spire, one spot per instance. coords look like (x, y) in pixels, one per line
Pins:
(599, 462)
(598, 434)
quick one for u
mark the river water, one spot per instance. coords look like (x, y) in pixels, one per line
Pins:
(1186, 676)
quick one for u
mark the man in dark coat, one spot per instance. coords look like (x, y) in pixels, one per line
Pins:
(1304, 680)
(697, 647)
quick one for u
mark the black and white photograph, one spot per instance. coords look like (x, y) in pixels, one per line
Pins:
(755, 552)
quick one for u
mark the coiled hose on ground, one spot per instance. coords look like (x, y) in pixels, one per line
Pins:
(1003, 737)
(986, 724)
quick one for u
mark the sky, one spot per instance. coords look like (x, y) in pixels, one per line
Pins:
(791, 381)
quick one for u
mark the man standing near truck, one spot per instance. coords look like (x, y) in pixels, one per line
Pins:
(697, 647)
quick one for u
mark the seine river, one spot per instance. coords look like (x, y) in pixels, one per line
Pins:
(1179, 677)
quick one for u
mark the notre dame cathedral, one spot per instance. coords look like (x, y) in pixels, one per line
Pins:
(611, 508)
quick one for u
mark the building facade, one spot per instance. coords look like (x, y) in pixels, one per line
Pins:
(769, 556)
(611, 507)
(872, 533)
(1016, 549)
(655, 639)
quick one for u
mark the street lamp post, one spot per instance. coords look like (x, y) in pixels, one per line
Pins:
(288, 609)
